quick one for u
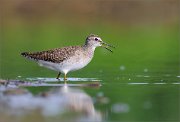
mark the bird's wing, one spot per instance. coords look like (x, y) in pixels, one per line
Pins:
(57, 55)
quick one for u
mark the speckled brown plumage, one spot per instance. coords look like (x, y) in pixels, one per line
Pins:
(57, 55)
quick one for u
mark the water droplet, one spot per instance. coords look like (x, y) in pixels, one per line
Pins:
(100, 94)
(145, 70)
(122, 67)
(120, 108)
(147, 105)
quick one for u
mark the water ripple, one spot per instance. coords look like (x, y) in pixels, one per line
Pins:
(158, 83)
(61, 79)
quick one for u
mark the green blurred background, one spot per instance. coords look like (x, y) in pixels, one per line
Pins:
(145, 33)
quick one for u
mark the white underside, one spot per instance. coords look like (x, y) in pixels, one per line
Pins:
(66, 66)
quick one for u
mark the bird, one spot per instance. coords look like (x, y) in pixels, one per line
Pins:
(69, 58)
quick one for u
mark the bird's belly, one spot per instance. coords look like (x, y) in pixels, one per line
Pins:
(76, 63)
(71, 64)
(49, 65)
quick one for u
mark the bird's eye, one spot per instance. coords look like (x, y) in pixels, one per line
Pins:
(96, 39)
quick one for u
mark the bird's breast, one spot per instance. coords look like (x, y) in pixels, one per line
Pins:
(79, 60)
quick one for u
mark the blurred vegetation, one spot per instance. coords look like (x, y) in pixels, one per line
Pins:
(88, 11)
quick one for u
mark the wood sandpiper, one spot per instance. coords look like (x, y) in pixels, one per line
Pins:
(71, 58)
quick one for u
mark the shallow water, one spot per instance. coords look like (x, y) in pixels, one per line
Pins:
(113, 100)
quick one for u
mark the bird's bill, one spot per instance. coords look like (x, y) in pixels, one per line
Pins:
(106, 46)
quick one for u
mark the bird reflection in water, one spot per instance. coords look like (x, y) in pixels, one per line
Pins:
(65, 104)
(78, 101)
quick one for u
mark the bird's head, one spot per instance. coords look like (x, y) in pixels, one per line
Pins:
(95, 41)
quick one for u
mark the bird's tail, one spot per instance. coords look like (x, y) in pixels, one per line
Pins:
(25, 54)
(28, 55)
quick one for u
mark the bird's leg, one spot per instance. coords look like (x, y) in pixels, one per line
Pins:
(58, 75)
(65, 78)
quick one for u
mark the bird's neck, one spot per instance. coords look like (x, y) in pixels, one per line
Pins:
(89, 49)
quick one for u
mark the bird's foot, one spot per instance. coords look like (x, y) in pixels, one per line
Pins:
(58, 79)
(58, 76)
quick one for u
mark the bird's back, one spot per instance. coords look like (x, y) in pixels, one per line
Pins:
(56, 55)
